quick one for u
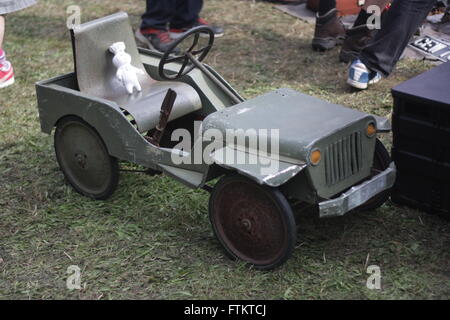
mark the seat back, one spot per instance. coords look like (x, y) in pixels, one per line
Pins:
(93, 60)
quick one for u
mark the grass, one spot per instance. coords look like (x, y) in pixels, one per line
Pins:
(152, 239)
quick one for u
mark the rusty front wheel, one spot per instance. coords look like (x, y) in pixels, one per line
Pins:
(254, 223)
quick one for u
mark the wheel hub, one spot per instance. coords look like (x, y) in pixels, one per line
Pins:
(81, 159)
(84, 159)
(247, 224)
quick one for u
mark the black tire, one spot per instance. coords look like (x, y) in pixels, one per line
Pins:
(253, 223)
(84, 159)
(381, 162)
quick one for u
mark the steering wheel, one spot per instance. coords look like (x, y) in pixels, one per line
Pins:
(186, 56)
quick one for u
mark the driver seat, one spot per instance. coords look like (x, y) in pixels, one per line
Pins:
(96, 73)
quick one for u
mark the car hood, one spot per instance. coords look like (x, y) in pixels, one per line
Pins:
(301, 120)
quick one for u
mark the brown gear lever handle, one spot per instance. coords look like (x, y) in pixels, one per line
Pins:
(166, 110)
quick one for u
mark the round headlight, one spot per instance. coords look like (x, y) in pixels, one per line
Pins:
(315, 157)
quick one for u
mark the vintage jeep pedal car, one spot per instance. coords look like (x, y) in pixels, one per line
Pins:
(328, 155)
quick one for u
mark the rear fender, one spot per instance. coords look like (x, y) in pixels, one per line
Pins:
(121, 138)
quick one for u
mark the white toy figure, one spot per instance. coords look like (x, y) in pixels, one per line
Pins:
(126, 72)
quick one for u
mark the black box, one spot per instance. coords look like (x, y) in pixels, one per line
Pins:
(421, 141)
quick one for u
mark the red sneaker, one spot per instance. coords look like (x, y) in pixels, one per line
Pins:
(6, 74)
(154, 39)
(176, 33)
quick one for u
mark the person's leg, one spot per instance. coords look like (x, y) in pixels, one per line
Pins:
(329, 30)
(153, 30)
(325, 6)
(360, 34)
(2, 34)
(186, 14)
(2, 30)
(444, 24)
(364, 16)
(399, 25)
(158, 14)
(6, 69)
(382, 53)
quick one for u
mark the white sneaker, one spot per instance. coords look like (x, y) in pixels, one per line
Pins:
(360, 77)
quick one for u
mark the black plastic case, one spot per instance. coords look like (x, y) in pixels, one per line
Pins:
(421, 141)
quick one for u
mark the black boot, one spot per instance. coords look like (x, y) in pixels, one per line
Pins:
(357, 38)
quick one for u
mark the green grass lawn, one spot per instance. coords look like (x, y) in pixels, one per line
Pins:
(153, 239)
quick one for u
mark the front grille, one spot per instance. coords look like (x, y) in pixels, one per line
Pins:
(343, 158)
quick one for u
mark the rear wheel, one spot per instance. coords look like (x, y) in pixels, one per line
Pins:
(84, 159)
(381, 162)
(254, 223)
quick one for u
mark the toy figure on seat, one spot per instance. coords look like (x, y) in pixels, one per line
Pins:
(126, 72)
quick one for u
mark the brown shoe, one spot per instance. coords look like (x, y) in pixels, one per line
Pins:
(329, 31)
(357, 38)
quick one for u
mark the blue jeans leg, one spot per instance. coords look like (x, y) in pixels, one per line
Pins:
(158, 14)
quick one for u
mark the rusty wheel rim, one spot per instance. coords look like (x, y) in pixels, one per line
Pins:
(250, 223)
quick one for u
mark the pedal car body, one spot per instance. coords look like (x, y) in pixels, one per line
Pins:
(327, 155)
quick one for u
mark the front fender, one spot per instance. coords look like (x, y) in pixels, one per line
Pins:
(383, 124)
(271, 170)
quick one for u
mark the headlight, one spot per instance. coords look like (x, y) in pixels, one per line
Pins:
(371, 130)
(315, 157)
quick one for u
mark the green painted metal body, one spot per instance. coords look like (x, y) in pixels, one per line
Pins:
(305, 123)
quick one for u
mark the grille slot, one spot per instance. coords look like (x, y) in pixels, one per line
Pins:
(343, 158)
